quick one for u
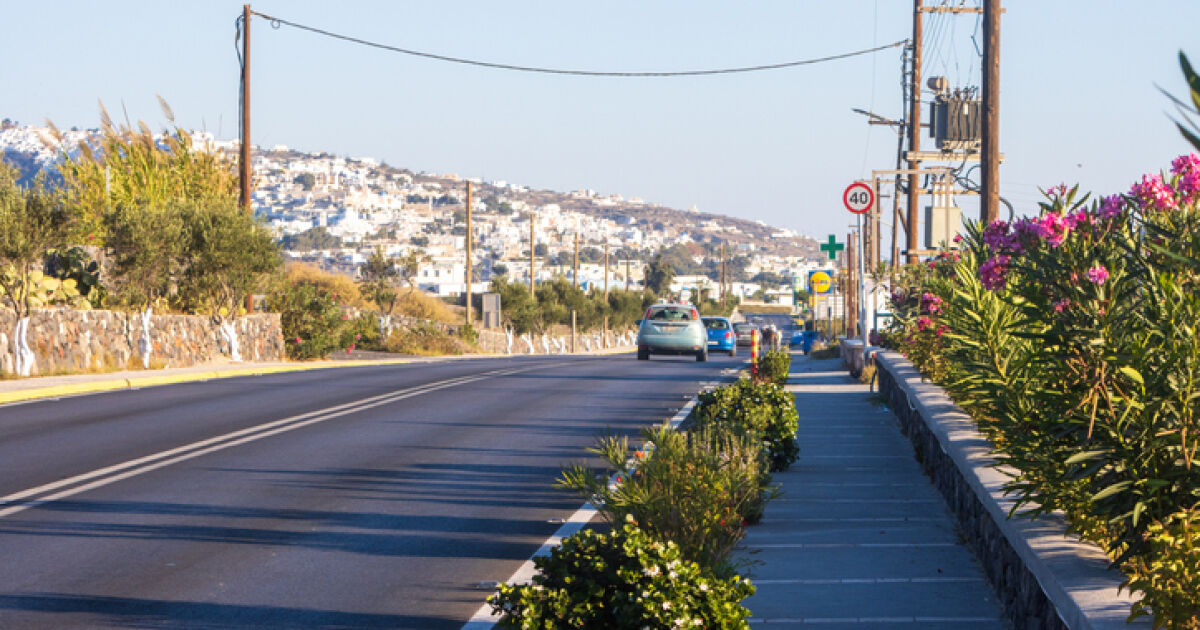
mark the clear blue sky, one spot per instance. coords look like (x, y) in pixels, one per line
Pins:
(1079, 99)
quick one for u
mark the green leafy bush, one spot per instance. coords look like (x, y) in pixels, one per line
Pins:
(628, 579)
(762, 410)
(361, 332)
(312, 321)
(1070, 337)
(774, 366)
(696, 489)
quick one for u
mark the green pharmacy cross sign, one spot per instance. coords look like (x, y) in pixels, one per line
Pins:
(833, 247)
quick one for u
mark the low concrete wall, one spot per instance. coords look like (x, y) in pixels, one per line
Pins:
(1045, 578)
(64, 340)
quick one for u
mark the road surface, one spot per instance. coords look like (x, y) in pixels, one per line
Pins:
(351, 498)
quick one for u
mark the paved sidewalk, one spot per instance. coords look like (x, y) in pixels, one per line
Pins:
(860, 539)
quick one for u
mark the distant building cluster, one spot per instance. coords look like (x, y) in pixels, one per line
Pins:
(357, 204)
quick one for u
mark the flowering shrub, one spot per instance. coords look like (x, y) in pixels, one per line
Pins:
(626, 579)
(697, 489)
(1071, 338)
(762, 410)
(311, 320)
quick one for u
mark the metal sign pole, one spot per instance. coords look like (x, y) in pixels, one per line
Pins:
(862, 303)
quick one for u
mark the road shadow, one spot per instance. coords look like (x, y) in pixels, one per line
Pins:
(126, 612)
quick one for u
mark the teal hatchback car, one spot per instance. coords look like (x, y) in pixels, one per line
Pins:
(672, 329)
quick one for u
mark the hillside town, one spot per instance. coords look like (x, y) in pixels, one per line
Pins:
(334, 211)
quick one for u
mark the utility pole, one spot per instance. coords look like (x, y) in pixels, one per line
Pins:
(722, 275)
(468, 253)
(532, 247)
(244, 160)
(989, 202)
(575, 264)
(606, 271)
(628, 280)
(914, 136)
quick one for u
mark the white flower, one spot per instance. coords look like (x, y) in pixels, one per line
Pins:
(666, 605)
(652, 572)
(704, 587)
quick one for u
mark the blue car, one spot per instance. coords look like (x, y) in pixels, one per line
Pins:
(721, 337)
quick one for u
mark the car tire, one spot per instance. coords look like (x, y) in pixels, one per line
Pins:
(702, 355)
(643, 354)
(733, 351)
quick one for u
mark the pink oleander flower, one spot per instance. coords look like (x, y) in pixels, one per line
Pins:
(357, 336)
(1097, 274)
(1078, 218)
(1111, 207)
(931, 303)
(350, 349)
(993, 273)
(1154, 193)
(958, 238)
(942, 329)
(1058, 191)
(1184, 164)
(1053, 228)
(924, 323)
(297, 340)
(997, 236)
(1062, 305)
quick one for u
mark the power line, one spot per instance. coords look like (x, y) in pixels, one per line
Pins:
(275, 22)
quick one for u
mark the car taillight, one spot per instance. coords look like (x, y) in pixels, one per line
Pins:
(695, 314)
(728, 335)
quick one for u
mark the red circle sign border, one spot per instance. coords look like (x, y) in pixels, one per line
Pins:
(846, 197)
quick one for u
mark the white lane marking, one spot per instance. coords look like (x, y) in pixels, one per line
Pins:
(117, 472)
(483, 619)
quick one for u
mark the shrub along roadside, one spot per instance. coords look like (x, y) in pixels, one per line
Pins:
(763, 410)
(774, 366)
(696, 489)
(626, 579)
(1070, 338)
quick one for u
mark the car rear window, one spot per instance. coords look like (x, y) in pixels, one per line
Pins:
(716, 324)
(743, 327)
(671, 314)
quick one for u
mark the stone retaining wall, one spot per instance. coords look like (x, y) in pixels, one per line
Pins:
(69, 341)
(1046, 579)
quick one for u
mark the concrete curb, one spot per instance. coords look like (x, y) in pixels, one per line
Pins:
(115, 384)
(1073, 575)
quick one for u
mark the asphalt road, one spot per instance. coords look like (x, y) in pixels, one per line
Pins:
(367, 497)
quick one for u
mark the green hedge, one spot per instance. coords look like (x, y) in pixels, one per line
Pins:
(763, 410)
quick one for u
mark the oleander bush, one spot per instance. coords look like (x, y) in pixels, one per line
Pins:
(311, 319)
(697, 489)
(762, 410)
(1071, 338)
(773, 366)
(627, 579)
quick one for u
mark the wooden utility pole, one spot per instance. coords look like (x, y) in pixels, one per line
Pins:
(575, 264)
(914, 136)
(606, 271)
(468, 253)
(244, 149)
(244, 160)
(532, 247)
(722, 274)
(990, 199)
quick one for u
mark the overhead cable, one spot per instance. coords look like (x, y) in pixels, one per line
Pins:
(275, 22)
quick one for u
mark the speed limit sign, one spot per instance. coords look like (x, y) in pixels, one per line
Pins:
(858, 198)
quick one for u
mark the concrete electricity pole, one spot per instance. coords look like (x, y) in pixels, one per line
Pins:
(914, 137)
(468, 253)
(989, 202)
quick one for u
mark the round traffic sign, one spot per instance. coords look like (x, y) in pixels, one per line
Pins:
(858, 197)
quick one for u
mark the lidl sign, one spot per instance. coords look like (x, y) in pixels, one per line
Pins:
(819, 282)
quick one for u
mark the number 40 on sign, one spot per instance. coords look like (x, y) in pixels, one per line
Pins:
(858, 198)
